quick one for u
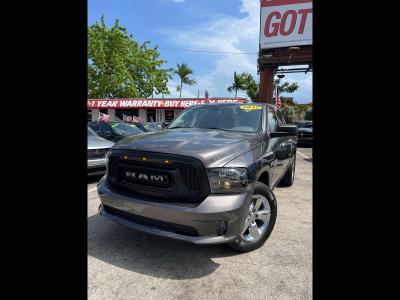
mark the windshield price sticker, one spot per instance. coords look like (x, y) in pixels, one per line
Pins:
(251, 107)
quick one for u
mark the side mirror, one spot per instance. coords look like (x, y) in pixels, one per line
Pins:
(285, 130)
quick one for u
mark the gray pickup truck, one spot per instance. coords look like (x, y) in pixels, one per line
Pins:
(207, 178)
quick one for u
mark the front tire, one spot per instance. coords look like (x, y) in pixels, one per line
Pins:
(260, 220)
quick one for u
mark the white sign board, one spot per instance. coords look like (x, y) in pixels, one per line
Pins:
(285, 23)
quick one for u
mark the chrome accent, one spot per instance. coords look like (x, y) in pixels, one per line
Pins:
(257, 219)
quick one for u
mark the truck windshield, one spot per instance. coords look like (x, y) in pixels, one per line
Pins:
(243, 118)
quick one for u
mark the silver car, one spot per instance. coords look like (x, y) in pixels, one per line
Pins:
(96, 151)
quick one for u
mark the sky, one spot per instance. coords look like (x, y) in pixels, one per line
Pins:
(199, 25)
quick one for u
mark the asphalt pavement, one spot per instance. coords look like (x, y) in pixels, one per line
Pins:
(125, 264)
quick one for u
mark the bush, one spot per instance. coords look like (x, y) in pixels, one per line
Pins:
(288, 113)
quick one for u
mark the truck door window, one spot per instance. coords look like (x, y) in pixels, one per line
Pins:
(272, 120)
(281, 119)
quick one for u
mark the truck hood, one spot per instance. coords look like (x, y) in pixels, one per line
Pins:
(214, 148)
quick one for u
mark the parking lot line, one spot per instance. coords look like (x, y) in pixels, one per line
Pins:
(303, 155)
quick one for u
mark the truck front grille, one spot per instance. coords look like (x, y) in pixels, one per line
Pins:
(186, 178)
(190, 176)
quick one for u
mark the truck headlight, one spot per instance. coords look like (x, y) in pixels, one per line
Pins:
(228, 180)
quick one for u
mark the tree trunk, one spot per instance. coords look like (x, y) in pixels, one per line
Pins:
(180, 91)
(235, 93)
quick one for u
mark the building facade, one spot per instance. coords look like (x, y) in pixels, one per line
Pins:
(149, 110)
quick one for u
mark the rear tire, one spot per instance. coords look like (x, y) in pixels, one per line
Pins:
(243, 243)
(288, 178)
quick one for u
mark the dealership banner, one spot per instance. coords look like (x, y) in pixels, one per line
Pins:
(154, 103)
(285, 23)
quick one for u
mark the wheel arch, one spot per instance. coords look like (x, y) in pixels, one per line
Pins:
(265, 178)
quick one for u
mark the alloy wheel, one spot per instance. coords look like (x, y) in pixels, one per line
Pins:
(257, 219)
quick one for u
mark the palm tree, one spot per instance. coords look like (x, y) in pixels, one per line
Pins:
(239, 83)
(183, 71)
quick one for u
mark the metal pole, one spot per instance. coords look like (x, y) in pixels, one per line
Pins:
(266, 84)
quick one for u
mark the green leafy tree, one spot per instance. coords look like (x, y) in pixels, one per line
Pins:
(300, 110)
(287, 101)
(118, 67)
(183, 71)
(288, 113)
(285, 87)
(239, 83)
(252, 88)
(308, 115)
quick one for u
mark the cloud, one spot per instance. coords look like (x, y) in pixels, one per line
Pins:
(178, 1)
(224, 33)
(304, 93)
(187, 92)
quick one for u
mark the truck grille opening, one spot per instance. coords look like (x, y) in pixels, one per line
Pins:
(190, 176)
(166, 226)
(181, 178)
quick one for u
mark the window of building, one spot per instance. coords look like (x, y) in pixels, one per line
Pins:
(159, 115)
(126, 112)
(151, 115)
(169, 115)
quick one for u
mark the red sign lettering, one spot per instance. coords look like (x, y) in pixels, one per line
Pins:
(280, 21)
(275, 25)
(304, 14)
(292, 22)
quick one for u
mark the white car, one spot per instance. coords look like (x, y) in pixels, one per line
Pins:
(96, 151)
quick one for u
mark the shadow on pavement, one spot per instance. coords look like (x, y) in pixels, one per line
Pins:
(304, 145)
(149, 255)
(94, 179)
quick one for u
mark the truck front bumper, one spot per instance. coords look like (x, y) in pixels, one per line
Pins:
(200, 223)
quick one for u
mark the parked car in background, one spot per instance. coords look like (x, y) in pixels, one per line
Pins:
(140, 126)
(115, 131)
(153, 126)
(305, 132)
(97, 148)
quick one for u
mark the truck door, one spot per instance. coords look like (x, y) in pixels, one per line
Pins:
(275, 145)
(287, 144)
